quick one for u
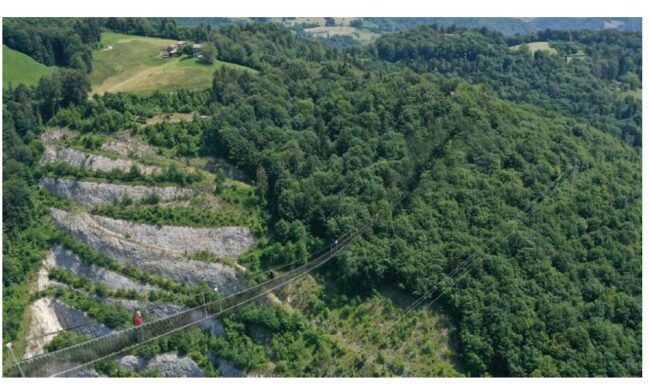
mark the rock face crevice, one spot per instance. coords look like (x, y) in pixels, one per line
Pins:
(150, 258)
(79, 159)
(90, 194)
(228, 241)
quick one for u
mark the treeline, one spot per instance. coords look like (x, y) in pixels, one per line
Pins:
(170, 176)
(64, 42)
(507, 26)
(261, 46)
(582, 87)
(256, 45)
(159, 27)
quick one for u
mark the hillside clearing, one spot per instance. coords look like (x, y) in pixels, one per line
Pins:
(537, 46)
(133, 65)
(326, 32)
(371, 325)
(174, 117)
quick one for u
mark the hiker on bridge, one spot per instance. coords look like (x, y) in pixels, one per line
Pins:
(334, 247)
(137, 319)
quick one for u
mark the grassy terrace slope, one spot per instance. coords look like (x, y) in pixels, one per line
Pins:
(132, 65)
(20, 68)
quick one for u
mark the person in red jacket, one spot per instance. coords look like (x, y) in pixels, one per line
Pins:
(137, 320)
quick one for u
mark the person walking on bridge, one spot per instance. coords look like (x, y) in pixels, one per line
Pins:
(137, 319)
(334, 247)
(137, 322)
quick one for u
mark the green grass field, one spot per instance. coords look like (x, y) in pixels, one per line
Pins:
(20, 68)
(537, 46)
(360, 35)
(130, 63)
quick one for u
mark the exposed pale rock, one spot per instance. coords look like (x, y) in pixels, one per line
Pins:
(227, 241)
(49, 316)
(132, 362)
(128, 147)
(62, 258)
(151, 309)
(79, 159)
(173, 366)
(153, 259)
(56, 135)
(89, 194)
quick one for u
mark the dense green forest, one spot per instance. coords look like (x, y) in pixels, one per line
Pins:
(453, 137)
(508, 26)
(53, 41)
(585, 88)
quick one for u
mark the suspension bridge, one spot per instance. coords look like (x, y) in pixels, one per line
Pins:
(67, 361)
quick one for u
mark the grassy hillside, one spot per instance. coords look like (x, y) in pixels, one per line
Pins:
(21, 68)
(537, 46)
(327, 32)
(130, 63)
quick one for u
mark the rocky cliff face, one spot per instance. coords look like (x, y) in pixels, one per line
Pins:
(157, 260)
(158, 250)
(56, 135)
(90, 194)
(48, 316)
(128, 147)
(231, 170)
(229, 241)
(79, 159)
(60, 257)
(170, 365)
(151, 309)
(43, 322)
(174, 366)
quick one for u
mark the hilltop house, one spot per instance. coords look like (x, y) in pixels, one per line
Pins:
(173, 50)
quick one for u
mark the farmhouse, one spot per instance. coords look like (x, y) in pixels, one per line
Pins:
(173, 50)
